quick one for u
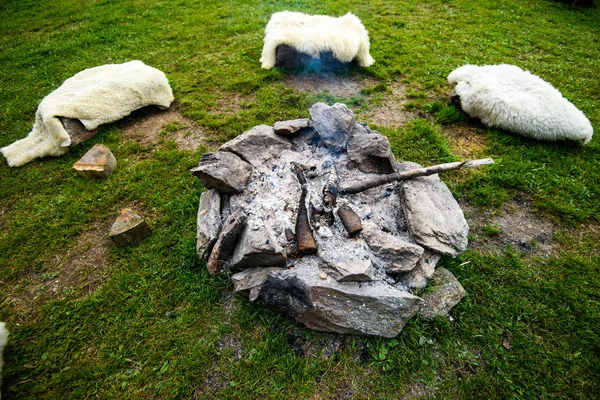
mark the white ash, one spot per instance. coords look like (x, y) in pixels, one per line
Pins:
(271, 199)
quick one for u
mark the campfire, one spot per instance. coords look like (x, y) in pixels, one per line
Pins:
(317, 218)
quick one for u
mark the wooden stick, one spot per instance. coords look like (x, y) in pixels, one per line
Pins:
(305, 241)
(413, 173)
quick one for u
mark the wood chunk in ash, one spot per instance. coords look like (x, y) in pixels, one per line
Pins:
(305, 240)
(350, 220)
(226, 242)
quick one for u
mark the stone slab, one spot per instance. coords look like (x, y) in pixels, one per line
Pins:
(373, 308)
(257, 145)
(446, 292)
(257, 248)
(129, 228)
(208, 222)
(433, 216)
(98, 163)
(334, 124)
(291, 127)
(223, 171)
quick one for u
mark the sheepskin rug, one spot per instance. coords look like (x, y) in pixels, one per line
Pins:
(3, 340)
(345, 37)
(504, 96)
(94, 96)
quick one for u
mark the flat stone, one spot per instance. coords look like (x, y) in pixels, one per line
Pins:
(370, 308)
(422, 273)
(257, 248)
(228, 238)
(208, 222)
(223, 171)
(129, 228)
(446, 292)
(354, 271)
(396, 254)
(371, 151)
(334, 124)
(76, 130)
(249, 281)
(98, 163)
(433, 216)
(257, 145)
(289, 128)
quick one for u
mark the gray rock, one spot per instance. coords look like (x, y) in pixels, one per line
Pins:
(228, 238)
(98, 163)
(289, 128)
(371, 152)
(129, 228)
(373, 308)
(433, 216)
(223, 171)
(257, 248)
(249, 281)
(257, 145)
(354, 271)
(396, 254)
(423, 271)
(333, 124)
(209, 222)
(445, 293)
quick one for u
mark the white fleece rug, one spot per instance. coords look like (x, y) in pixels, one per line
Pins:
(94, 96)
(506, 97)
(346, 37)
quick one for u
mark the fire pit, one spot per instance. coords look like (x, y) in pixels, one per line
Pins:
(279, 215)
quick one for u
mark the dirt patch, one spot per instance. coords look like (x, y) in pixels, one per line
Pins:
(390, 112)
(339, 86)
(149, 125)
(465, 141)
(228, 103)
(516, 224)
(5, 217)
(77, 272)
(231, 343)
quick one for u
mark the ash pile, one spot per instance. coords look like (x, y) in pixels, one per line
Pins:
(275, 216)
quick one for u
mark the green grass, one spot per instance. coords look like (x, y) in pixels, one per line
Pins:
(159, 325)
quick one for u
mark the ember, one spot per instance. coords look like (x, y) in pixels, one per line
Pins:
(345, 263)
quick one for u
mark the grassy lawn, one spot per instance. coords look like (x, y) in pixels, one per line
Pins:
(90, 320)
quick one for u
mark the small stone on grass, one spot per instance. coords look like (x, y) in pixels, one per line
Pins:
(99, 162)
(129, 228)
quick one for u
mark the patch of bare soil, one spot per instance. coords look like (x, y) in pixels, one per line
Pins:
(145, 126)
(5, 213)
(228, 103)
(391, 111)
(339, 86)
(77, 272)
(465, 141)
(515, 224)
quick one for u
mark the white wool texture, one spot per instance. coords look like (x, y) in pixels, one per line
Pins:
(506, 97)
(94, 96)
(3, 340)
(346, 37)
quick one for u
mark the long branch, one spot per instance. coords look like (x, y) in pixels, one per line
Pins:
(413, 173)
